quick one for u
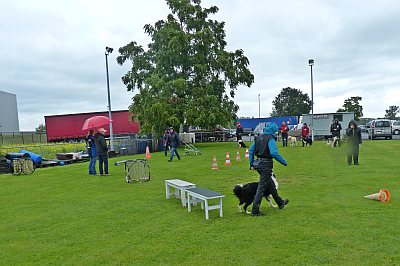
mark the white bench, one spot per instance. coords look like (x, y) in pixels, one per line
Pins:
(180, 187)
(201, 194)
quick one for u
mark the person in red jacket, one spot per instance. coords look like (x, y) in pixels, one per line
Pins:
(284, 132)
(305, 135)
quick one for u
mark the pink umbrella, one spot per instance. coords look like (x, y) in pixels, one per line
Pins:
(95, 122)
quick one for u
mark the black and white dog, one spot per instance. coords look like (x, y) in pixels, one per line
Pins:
(241, 144)
(246, 193)
(307, 141)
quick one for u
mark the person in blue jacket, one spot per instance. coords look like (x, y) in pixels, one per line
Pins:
(174, 142)
(265, 149)
(91, 149)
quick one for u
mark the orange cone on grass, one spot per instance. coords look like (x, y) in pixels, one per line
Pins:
(227, 159)
(383, 196)
(247, 154)
(148, 156)
(238, 156)
(214, 164)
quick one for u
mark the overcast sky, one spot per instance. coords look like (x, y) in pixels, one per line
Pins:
(52, 52)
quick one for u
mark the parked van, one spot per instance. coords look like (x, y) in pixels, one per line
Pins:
(380, 128)
(396, 127)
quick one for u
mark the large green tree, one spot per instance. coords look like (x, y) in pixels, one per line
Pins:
(291, 101)
(392, 112)
(352, 104)
(185, 76)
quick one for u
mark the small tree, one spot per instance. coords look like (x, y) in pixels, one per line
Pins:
(392, 112)
(352, 104)
(185, 76)
(291, 101)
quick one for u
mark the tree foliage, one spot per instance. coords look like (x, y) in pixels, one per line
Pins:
(185, 76)
(41, 128)
(352, 104)
(392, 112)
(291, 101)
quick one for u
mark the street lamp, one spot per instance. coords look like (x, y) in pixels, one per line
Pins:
(311, 64)
(259, 107)
(107, 52)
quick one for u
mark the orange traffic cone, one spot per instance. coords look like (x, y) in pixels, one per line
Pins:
(238, 156)
(247, 154)
(214, 164)
(227, 159)
(383, 196)
(148, 156)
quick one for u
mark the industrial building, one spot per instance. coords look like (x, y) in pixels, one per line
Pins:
(8, 112)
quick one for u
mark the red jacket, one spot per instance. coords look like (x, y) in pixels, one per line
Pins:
(284, 130)
(305, 131)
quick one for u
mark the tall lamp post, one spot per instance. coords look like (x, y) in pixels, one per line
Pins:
(107, 52)
(311, 64)
(259, 107)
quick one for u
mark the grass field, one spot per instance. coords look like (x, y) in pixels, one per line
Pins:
(61, 215)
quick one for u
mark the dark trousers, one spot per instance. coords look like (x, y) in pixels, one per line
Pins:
(103, 159)
(166, 148)
(265, 171)
(284, 139)
(352, 153)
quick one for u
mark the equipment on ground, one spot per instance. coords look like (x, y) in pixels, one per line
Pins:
(190, 148)
(137, 170)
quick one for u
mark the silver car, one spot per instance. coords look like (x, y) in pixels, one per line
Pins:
(380, 128)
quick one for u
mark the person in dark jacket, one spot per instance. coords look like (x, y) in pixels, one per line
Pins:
(264, 147)
(284, 129)
(174, 142)
(354, 141)
(239, 131)
(91, 149)
(102, 151)
(166, 141)
(336, 127)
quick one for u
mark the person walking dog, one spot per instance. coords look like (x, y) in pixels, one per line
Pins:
(264, 147)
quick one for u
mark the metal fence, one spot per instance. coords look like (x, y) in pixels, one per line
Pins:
(27, 137)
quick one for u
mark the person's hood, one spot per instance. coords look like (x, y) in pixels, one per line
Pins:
(270, 129)
(354, 122)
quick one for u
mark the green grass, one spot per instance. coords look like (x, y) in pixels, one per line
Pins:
(61, 215)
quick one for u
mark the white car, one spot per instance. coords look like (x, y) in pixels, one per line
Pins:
(396, 127)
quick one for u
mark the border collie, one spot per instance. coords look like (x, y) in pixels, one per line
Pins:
(241, 144)
(246, 193)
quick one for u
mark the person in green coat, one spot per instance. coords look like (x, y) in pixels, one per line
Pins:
(354, 141)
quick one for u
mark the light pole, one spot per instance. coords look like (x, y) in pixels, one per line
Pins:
(259, 107)
(311, 64)
(107, 52)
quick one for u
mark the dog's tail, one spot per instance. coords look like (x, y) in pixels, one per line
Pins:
(237, 190)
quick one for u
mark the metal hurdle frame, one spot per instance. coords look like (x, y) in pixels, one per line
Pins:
(190, 148)
(136, 170)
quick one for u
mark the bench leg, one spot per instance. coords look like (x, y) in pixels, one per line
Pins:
(166, 191)
(183, 197)
(220, 207)
(206, 203)
(188, 204)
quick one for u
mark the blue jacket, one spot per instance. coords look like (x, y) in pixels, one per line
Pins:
(91, 147)
(270, 129)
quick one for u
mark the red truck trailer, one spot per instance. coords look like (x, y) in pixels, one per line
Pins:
(69, 126)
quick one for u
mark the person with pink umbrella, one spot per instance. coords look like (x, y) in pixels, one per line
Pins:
(91, 148)
(102, 151)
